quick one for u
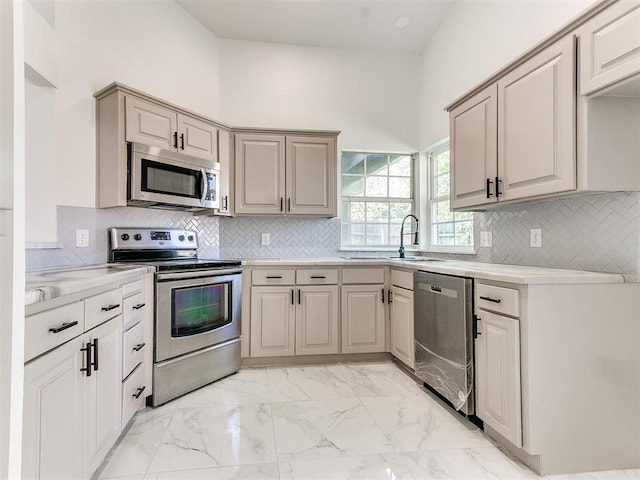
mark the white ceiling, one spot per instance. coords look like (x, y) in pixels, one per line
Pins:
(362, 24)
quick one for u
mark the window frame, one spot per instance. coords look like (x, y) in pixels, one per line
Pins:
(429, 201)
(412, 200)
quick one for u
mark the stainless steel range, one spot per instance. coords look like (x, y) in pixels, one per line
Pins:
(197, 308)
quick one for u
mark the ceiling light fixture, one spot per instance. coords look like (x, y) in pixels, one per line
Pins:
(402, 22)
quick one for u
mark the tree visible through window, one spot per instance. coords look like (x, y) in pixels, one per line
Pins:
(447, 229)
(377, 193)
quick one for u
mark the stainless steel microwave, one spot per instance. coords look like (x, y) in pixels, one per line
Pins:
(161, 178)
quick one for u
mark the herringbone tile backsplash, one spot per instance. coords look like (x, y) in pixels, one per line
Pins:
(595, 232)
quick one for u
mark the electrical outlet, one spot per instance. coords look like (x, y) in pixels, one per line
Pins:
(486, 239)
(266, 239)
(536, 237)
(82, 238)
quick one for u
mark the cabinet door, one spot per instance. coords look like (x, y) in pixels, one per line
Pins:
(260, 174)
(401, 315)
(317, 320)
(53, 414)
(363, 328)
(536, 124)
(474, 158)
(197, 138)
(272, 321)
(610, 46)
(498, 375)
(150, 124)
(227, 174)
(311, 175)
(103, 394)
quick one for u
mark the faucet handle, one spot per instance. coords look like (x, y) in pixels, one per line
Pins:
(401, 251)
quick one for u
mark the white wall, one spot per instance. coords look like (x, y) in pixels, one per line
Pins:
(155, 47)
(370, 96)
(476, 39)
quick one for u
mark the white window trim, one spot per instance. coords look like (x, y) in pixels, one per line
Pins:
(426, 210)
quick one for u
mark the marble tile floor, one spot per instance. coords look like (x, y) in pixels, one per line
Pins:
(334, 422)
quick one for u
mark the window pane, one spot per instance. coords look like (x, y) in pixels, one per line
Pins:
(377, 233)
(463, 216)
(400, 187)
(377, 164)
(376, 187)
(352, 185)
(356, 212)
(464, 233)
(353, 162)
(444, 234)
(442, 163)
(400, 165)
(441, 212)
(442, 185)
(353, 234)
(394, 234)
(397, 211)
(377, 212)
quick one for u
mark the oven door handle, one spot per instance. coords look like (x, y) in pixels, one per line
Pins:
(197, 274)
(204, 186)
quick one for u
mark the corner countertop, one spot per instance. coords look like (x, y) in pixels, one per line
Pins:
(51, 283)
(485, 271)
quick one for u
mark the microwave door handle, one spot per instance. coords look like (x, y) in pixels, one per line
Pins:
(204, 186)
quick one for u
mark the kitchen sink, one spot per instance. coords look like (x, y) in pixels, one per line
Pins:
(405, 259)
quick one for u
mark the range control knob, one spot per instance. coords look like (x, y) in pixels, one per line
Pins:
(137, 236)
(124, 236)
(191, 238)
(181, 238)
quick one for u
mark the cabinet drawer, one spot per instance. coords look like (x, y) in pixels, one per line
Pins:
(498, 299)
(133, 348)
(319, 276)
(102, 307)
(273, 277)
(402, 279)
(132, 288)
(133, 310)
(49, 329)
(363, 275)
(130, 389)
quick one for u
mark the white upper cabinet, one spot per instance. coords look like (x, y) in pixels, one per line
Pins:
(610, 46)
(282, 174)
(260, 174)
(227, 173)
(473, 126)
(516, 138)
(536, 125)
(154, 125)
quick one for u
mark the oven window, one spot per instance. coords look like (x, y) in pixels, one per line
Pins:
(199, 309)
(171, 180)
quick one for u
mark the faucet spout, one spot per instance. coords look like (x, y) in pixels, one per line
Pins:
(402, 234)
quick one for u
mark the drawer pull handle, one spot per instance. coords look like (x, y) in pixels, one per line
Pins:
(139, 391)
(318, 276)
(64, 326)
(437, 289)
(110, 307)
(271, 277)
(139, 347)
(489, 299)
(138, 306)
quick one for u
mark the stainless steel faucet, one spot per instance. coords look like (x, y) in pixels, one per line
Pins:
(402, 234)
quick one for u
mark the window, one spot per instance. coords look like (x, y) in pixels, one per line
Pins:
(377, 193)
(448, 230)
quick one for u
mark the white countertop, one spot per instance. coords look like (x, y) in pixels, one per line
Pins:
(50, 283)
(486, 271)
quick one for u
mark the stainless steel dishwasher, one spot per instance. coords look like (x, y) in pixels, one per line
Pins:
(443, 333)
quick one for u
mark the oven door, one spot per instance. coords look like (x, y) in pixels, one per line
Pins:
(195, 310)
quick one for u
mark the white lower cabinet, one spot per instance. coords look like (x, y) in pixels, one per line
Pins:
(102, 393)
(363, 325)
(317, 320)
(272, 321)
(401, 319)
(54, 414)
(498, 388)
